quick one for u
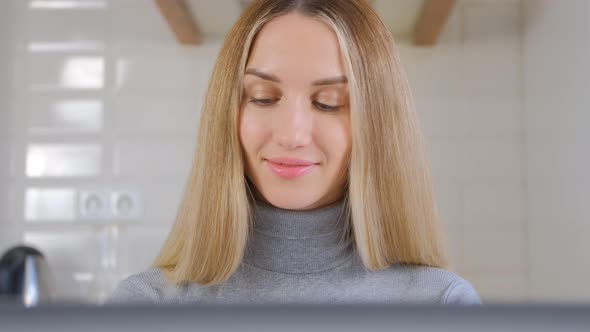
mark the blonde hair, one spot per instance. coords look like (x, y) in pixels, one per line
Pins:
(392, 209)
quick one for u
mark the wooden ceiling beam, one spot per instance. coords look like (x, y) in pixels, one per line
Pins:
(180, 20)
(431, 21)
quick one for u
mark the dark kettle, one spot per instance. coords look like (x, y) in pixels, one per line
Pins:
(24, 274)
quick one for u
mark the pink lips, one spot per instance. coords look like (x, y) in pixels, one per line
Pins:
(290, 168)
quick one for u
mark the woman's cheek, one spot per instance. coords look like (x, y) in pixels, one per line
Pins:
(251, 131)
(335, 137)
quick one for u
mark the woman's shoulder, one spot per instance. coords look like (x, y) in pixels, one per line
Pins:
(144, 287)
(432, 282)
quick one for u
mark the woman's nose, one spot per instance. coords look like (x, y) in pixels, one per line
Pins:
(293, 124)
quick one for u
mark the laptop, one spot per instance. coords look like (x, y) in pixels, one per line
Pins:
(357, 318)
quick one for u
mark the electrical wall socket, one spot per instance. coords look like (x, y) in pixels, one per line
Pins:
(93, 204)
(101, 204)
(126, 205)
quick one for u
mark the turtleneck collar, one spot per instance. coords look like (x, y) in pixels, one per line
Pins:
(298, 242)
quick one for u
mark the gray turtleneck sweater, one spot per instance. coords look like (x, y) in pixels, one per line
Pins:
(297, 257)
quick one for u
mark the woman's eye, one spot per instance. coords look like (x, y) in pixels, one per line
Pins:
(324, 107)
(270, 101)
(262, 101)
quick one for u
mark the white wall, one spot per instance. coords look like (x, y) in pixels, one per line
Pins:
(7, 233)
(137, 126)
(101, 105)
(468, 91)
(557, 95)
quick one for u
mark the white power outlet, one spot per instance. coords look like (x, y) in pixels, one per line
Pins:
(126, 204)
(101, 204)
(93, 204)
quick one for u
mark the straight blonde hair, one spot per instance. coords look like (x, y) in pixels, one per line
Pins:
(393, 216)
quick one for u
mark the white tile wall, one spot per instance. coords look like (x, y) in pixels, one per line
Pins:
(48, 114)
(130, 257)
(473, 158)
(47, 204)
(451, 200)
(107, 105)
(153, 158)
(51, 72)
(6, 143)
(141, 98)
(567, 159)
(146, 73)
(154, 117)
(496, 204)
(5, 153)
(161, 199)
(556, 111)
(148, 25)
(63, 160)
(75, 24)
(491, 45)
(468, 92)
(565, 200)
(494, 252)
(510, 287)
(475, 117)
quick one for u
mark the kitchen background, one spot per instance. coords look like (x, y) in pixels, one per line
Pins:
(99, 106)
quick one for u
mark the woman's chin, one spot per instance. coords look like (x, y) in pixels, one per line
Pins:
(292, 202)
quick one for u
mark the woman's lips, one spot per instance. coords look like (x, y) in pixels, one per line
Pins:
(290, 168)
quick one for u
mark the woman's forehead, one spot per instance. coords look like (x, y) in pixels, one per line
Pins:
(297, 46)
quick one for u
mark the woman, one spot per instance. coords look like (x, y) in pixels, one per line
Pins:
(309, 183)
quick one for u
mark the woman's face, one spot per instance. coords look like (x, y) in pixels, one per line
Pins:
(294, 117)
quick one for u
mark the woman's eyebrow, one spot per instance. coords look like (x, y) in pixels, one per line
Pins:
(331, 80)
(273, 78)
(263, 75)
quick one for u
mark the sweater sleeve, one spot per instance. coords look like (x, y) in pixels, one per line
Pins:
(461, 292)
